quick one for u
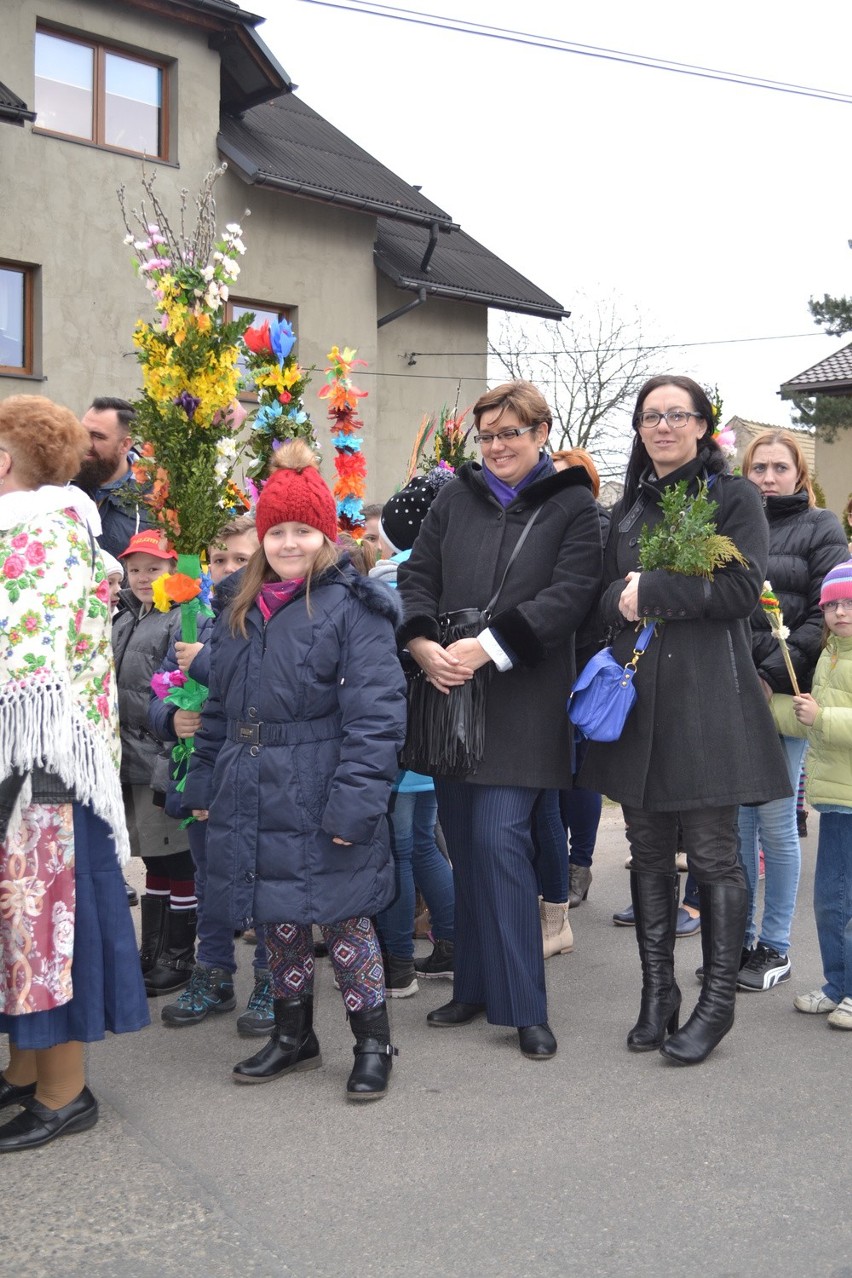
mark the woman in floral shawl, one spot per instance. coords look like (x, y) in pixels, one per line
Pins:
(69, 970)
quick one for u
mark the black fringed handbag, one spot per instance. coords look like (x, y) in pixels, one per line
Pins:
(446, 730)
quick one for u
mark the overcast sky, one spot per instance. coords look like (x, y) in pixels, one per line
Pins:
(716, 209)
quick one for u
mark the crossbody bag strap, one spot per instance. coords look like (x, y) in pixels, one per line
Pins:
(489, 607)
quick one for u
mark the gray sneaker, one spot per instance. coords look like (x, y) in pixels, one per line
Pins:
(258, 1019)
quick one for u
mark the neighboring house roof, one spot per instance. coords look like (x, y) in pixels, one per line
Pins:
(13, 110)
(458, 268)
(745, 431)
(287, 146)
(831, 376)
(250, 74)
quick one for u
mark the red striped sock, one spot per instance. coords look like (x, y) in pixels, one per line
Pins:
(182, 894)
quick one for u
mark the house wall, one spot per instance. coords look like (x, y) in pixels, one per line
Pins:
(833, 466)
(62, 214)
(403, 392)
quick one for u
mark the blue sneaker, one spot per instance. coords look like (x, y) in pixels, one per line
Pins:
(258, 1019)
(686, 924)
(210, 989)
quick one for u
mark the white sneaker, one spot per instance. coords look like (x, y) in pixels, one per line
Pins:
(841, 1017)
(816, 1001)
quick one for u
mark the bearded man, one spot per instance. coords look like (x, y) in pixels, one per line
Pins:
(107, 476)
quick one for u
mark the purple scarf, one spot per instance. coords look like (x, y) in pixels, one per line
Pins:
(504, 493)
(274, 594)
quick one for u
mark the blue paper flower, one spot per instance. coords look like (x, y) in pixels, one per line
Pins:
(283, 339)
(268, 416)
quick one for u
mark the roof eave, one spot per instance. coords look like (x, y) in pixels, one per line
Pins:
(514, 305)
(16, 115)
(791, 390)
(255, 176)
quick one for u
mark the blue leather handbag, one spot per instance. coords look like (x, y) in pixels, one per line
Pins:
(603, 696)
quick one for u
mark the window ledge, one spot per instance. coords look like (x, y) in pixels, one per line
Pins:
(23, 377)
(98, 146)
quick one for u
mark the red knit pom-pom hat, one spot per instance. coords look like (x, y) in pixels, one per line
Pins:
(297, 496)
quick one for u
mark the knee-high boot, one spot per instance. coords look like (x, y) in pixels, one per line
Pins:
(154, 911)
(655, 911)
(292, 1047)
(724, 910)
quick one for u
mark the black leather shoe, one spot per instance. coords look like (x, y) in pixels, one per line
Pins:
(537, 1042)
(38, 1125)
(454, 1013)
(12, 1095)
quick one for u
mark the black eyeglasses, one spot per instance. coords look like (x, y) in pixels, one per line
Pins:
(675, 417)
(504, 435)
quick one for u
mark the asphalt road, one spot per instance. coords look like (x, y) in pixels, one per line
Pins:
(479, 1162)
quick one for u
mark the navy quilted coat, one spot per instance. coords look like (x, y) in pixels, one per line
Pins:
(298, 744)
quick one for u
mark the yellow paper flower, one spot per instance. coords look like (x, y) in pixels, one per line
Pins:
(162, 602)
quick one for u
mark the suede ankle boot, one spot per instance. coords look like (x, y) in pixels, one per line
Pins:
(724, 911)
(176, 963)
(655, 913)
(292, 1047)
(373, 1054)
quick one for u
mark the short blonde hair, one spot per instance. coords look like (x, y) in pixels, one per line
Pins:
(794, 448)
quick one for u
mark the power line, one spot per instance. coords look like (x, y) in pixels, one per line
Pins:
(614, 350)
(442, 23)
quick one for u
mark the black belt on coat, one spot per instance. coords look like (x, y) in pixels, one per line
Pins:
(301, 732)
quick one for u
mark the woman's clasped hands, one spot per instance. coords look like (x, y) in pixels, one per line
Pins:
(449, 667)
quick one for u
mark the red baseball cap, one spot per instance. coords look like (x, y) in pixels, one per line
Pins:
(149, 542)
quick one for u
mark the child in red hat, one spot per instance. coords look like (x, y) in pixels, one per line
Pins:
(293, 769)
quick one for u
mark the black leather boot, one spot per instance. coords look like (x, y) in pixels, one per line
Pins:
(654, 899)
(292, 1047)
(175, 965)
(373, 1054)
(724, 911)
(153, 911)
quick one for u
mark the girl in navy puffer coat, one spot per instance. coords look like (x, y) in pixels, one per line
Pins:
(293, 769)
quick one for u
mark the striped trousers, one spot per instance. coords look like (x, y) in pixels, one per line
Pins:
(498, 949)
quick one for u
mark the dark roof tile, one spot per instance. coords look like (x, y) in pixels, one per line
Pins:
(286, 145)
(831, 376)
(459, 268)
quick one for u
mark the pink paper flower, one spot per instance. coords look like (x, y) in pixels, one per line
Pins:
(20, 541)
(35, 553)
(14, 567)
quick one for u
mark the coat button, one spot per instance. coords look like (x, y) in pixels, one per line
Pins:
(252, 712)
(634, 541)
(255, 750)
(682, 612)
(250, 876)
(669, 612)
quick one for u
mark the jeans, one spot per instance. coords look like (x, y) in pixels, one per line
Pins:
(581, 811)
(215, 940)
(551, 847)
(833, 902)
(774, 825)
(412, 816)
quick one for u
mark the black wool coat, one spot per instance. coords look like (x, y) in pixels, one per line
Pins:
(298, 744)
(700, 734)
(804, 543)
(458, 561)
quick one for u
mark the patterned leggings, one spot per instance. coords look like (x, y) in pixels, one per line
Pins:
(354, 952)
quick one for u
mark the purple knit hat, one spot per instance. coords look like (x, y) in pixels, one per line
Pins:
(837, 584)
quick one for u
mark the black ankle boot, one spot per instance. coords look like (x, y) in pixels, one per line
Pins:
(373, 1054)
(153, 911)
(655, 912)
(293, 1046)
(175, 965)
(724, 911)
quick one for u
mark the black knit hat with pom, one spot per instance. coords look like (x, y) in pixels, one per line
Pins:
(403, 514)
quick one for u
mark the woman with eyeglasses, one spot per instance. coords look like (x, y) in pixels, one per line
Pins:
(462, 554)
(699, 741)
(804, 543)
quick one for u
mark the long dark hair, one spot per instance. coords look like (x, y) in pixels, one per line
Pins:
(639, 462)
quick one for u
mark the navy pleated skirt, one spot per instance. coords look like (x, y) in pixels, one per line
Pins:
(109, 993)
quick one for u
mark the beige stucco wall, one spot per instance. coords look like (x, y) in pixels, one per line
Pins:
(833, 466)
(61, 213)
(403, 392)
